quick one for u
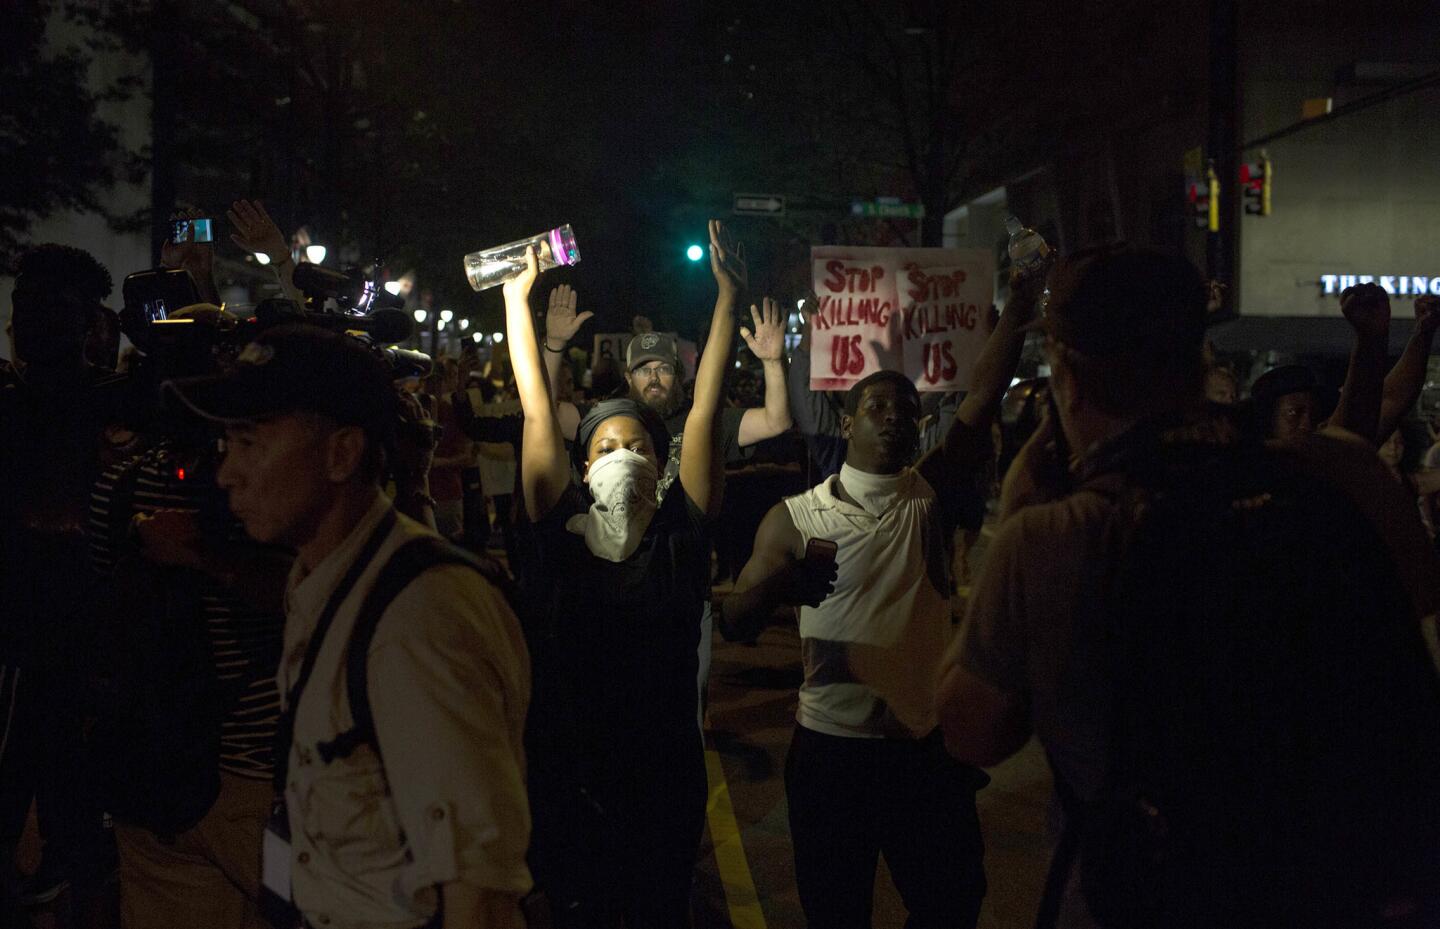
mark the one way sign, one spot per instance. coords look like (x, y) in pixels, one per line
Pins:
(759, 205)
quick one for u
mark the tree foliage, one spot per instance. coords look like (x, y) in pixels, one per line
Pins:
(56, 149)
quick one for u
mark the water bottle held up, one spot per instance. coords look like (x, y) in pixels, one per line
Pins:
(1028, 250)
(492, 266)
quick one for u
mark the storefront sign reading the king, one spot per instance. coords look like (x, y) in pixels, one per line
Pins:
(923, 311)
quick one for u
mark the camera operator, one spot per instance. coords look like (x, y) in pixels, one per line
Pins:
(54, 410)
(182, 748)
(413, 813)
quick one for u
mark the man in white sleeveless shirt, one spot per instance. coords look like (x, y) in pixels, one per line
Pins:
(867, 771)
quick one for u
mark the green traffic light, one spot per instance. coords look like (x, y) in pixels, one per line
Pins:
(694, 253)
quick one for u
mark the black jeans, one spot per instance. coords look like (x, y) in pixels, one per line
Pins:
(854, 799)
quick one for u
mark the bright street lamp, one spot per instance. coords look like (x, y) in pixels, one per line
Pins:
(393, 288)
(464, 324)
(420, 316)
(498, 337)
(316, 254)
(477, 337)
(446, 316)
(262, 258)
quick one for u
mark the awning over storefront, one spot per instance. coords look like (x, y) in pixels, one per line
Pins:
(1298, 335)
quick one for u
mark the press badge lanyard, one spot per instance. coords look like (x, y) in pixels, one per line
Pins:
(276, 857)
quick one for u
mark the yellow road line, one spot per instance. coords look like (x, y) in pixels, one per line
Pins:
(740, 895)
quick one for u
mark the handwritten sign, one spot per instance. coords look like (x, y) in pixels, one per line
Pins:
(923, 311)
(612, 345)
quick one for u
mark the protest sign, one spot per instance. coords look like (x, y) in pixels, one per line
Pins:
(611, 345)
(922, 311)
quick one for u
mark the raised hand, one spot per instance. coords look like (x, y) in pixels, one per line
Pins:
(256, 232)
(1427, 314)
(727, 261)
(561, 320)
(807, 582)
(1214, 297)
(1367, 308)
(518, 287)
(767, 342)
(192, 256)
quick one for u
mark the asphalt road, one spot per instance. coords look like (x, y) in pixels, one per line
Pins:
(752, 711)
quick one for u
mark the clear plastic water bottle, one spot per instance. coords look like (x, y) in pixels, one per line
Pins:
(493, 266)
(1028, 250)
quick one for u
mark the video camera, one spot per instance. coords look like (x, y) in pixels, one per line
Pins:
(354, 291)
(194, 343)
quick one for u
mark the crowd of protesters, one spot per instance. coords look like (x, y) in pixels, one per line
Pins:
(293, 639)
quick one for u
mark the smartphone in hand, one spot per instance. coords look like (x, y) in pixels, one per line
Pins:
(181, 231)
(821, 550)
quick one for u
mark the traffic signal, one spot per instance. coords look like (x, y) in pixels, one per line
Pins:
(1255, 177)
(1197, 194)
(1212, 193)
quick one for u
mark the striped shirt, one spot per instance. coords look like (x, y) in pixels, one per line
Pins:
(245, 642)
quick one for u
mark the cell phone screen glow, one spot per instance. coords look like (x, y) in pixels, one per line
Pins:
(202, 230)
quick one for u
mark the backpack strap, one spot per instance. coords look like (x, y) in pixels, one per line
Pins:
(407, 563)
(285, 727)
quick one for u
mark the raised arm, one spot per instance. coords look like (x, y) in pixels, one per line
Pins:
(561, 324)
(968, 437)
(257, 233)
(1405, 381)
(814, 414)
(777, 574)
(1367, 308)
(544, 473)
(198, 258)
(702, 472)
(767, 343)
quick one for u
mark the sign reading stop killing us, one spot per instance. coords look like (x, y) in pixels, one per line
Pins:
(922, 311)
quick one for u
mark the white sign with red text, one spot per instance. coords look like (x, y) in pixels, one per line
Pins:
(923, 311)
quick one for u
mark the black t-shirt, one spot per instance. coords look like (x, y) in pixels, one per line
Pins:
(730, 418)
(614, 644)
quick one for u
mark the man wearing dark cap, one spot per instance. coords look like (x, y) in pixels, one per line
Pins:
(435, 833)
(655, 377)
(1175, 570)
(1284, 402)
(867, 773)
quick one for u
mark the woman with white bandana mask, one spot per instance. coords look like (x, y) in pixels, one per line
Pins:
(613, 598)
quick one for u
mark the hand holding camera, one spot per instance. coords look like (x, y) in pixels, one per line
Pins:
(169, 538)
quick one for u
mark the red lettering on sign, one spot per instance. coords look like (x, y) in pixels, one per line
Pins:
(845, 355)
(939, 362)
(840, 277)
(924, 287)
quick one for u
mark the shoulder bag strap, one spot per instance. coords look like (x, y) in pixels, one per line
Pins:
(410, 561)
(285, 729)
